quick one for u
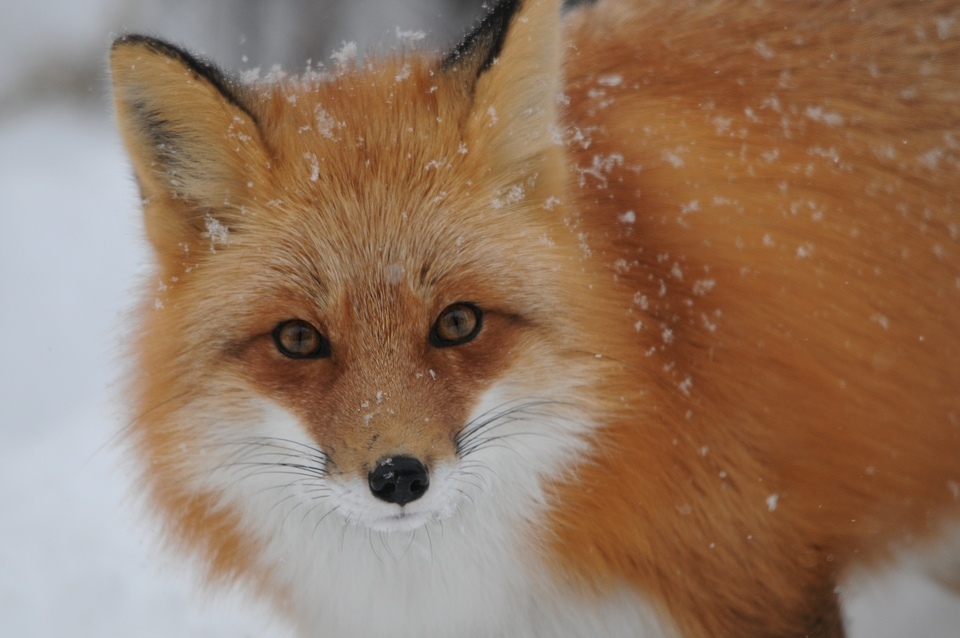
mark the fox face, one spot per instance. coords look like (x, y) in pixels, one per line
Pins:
(385, 357)
(335, 326)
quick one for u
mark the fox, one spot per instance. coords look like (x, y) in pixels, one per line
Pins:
(638, 319)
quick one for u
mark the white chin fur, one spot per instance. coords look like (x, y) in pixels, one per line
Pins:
(463, 560)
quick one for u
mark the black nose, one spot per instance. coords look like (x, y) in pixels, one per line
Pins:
(399, 480)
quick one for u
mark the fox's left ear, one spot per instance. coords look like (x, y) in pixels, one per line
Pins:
(510, 64)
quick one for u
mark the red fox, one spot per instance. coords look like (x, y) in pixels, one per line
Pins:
(640, 321)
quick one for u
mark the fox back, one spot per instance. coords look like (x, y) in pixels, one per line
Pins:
(638, 322)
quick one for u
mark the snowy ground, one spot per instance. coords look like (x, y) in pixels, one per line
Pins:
(75, 558)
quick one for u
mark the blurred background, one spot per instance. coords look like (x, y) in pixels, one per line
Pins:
(76, 556)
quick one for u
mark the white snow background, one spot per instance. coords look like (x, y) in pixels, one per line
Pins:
(77, 558)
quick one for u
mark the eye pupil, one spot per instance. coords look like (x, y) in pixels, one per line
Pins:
(298, 339)
(457, 324)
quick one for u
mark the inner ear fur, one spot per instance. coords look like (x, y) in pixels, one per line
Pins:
(190, 132)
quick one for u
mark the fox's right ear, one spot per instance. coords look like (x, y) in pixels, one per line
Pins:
(190, 133)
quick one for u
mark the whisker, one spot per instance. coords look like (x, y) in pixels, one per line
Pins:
(500, 413)
(483, 442)
(413, 535)
(322, 518)
(472, 484)
(506, 414)
(343, 530)
(293, 509)
(265, 469)
(465, 495)
(307, 470)
(247, 447)
(426, 529)
(382, 543)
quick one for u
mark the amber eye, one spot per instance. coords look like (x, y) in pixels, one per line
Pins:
(298, 339)
(457, 324)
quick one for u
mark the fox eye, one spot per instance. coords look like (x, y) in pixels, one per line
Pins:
(456, 325)
(298, 339)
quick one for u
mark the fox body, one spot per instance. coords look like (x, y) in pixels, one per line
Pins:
(639, 322)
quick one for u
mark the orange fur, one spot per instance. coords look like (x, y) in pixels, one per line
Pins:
(750, 254)
(811, 293)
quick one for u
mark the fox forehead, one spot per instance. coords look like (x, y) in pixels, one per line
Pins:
(366, 196)
(336, 146)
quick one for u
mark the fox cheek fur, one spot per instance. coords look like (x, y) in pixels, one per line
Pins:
(642, 322)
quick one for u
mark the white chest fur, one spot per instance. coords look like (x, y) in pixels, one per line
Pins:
(475, 571)
(471, 576)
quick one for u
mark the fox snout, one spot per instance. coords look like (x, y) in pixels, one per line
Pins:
(399, 480)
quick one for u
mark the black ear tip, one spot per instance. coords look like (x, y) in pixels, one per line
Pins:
(202, 68)
(483, 43)
(154, 44)
(133, 39)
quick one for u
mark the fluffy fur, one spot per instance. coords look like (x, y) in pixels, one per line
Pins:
(716, 249)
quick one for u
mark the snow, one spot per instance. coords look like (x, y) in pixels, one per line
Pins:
(772, 502)
(325, 122)
(674, 157)
(411, 35)
(763, 50)
(78, 558)
(216, 232)
(818, 114)
(403, 74)
(346, 54)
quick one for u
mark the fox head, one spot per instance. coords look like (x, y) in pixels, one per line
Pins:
(369, 293)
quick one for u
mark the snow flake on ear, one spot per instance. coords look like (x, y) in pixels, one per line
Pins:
(217, 233)
(235, 130)
(403, 74)
(409, 36)
(345, 55)
(326, 124)
(250, 76)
